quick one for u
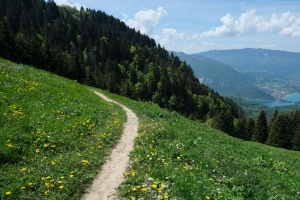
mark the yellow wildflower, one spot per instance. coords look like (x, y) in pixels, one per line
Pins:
(166, 195)
(8, 193)
(85, 162)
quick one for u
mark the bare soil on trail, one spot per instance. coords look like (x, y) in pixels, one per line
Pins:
(104, 186)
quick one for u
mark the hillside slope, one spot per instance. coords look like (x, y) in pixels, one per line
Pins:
(54, 131)
(222, 78)
(176, 158)
(275, 72)
(54, 134)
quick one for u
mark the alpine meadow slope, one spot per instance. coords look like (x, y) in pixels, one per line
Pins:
(176, 158)
(55, 134)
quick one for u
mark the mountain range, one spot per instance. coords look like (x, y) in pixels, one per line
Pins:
(273, 71)
(223, 78)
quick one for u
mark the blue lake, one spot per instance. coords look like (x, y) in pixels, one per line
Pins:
(292, 98)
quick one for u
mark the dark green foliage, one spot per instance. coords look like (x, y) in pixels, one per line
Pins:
(250, 128)
(241, 129)
(296, 139)
(273, 117)
(280, 134)
(224, 122)
(260, 132)
(7, 40)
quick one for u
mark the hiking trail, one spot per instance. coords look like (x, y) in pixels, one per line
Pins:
(111, 175)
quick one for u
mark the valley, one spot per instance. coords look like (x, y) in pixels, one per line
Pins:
(275, 72)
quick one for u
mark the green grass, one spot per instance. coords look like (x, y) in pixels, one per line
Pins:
(54, 134)
(175, 158)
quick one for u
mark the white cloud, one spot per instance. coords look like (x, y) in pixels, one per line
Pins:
(65, 2)
(293, 30)
(145, 20)
(249, 22)
(169, 38)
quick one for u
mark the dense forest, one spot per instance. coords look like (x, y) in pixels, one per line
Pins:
(99, 50)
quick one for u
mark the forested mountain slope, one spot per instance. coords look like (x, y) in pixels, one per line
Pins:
(275, 72)
(96, 49)
(223, 78)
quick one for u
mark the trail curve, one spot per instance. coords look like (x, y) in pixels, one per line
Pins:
(111, 175)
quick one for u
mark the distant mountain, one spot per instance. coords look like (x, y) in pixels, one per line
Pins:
(275, 72)
(245, 60)
(222, 78)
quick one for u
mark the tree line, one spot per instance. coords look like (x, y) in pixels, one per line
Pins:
(99, 50)
(282, 131)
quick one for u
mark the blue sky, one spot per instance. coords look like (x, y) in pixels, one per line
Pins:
(199, 25)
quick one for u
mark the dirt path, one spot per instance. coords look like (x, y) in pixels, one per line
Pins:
(111, 175)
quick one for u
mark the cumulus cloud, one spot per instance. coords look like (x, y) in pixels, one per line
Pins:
(65, 2)
(293, 30)
(249, 22)
(169, 37)
(145, 20)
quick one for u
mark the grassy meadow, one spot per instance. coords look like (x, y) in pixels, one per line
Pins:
(54, 134)
(176, 158)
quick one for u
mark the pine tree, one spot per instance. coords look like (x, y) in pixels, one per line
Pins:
(273, 117)
(224, 122)
(7, 41)
(260, 132)
(280, 133)
(250, 128)
(296, 139)
(241, 128)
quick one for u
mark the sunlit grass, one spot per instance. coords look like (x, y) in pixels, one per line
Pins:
(54, 134)
(175, 158)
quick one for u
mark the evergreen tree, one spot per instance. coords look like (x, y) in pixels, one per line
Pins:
(273, 117)
(7, 41)
(250, 128)
(260, 132)
(224, 122)
(241, 128)
(296, 139)
(280, 133)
